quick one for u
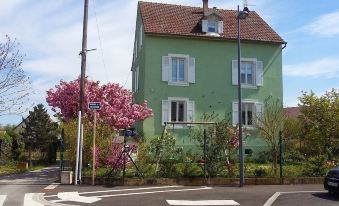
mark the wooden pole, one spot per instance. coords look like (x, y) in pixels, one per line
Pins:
(94, 149)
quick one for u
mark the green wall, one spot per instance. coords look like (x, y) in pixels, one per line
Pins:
(213, 90)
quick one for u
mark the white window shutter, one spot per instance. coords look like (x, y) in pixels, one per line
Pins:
(235, 113)
(220, 27)
(260, 73)
(137, 79)
(191, 70)
(235, 72)
(165, 68)
(141, 35)
(190, 111)
(204, 25)
(165, 111)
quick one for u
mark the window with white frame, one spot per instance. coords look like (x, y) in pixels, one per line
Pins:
(251, 72)
(177, 109)
(212, 26)
(250, 111)
(178, 113)
(247, 72)
(178, 69)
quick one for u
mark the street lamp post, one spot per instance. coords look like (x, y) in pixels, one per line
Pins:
(240, 15)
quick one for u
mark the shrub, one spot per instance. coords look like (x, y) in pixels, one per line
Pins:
(260, 172)
(315, 167)
(294, 156)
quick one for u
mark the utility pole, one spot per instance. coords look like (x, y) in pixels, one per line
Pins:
(82, 89)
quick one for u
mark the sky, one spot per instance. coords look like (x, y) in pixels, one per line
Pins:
(50, 35)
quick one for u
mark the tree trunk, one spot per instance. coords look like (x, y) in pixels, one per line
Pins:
(275, 160)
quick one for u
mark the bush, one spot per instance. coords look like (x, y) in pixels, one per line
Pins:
(294, 156)
(315, 167)
(264, 157)
(261, 172)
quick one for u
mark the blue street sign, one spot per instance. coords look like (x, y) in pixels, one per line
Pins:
(94, 105)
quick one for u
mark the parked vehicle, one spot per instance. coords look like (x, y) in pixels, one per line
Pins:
(331, 182)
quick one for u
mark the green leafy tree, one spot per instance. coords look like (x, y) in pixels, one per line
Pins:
(17, 143)
(39, 132)
(320, 117)
(293, 140)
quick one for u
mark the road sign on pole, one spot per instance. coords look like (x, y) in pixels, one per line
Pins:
(94, 106)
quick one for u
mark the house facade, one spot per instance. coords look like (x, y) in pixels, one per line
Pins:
(185, 65)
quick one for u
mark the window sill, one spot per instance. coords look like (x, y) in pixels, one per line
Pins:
(213, 34)
(182, 84)
(249, 87)
(249, 127)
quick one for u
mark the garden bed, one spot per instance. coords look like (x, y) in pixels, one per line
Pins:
(197, 181)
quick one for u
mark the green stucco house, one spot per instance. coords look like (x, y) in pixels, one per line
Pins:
(184, 64)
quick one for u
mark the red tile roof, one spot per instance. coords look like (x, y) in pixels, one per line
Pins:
(167, 19)
(292, 112)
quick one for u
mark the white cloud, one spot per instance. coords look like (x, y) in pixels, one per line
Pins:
(326, 67)
(50, 34)
(325, 25)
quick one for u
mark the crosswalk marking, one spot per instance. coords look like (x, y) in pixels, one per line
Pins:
(29, 201)
(2, 199)
(202, 202)
(75, 197)
(52, 186)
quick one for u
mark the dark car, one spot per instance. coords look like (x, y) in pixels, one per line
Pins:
(331, 182)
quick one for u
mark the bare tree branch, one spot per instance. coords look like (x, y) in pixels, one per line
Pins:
(15, 86)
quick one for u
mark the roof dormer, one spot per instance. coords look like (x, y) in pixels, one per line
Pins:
(212, 22)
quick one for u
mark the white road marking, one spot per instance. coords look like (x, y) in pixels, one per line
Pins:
(152, 192)
(75, 197)
(274, 197)
(270, 201)
(202, 202)
(28, 200)
(2, 199)
(52, 186)
(134, 189)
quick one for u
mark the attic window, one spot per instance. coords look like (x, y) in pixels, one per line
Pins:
(212, 26)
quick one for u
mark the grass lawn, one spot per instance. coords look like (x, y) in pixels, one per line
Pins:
(12, 169)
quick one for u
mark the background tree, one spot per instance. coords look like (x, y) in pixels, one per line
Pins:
(269, 124)
(294, 141)
(17, 142)
(320, 117)
(14, 84)
(39, 132)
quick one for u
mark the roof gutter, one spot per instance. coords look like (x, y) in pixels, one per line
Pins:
(285, 44)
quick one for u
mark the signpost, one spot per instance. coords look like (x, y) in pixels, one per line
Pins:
(94, 106)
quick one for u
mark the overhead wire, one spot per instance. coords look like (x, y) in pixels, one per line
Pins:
(100, 40)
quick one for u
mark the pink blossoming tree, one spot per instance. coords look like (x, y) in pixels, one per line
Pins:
(117, 107)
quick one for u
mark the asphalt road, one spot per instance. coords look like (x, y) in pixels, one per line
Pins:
(37, 189)
(15, 188)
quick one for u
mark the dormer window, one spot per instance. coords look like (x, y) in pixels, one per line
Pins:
(212, 26)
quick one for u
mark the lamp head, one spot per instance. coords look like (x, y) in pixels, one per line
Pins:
(244, 13)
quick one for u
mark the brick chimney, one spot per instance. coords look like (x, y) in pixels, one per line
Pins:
(205, 6)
